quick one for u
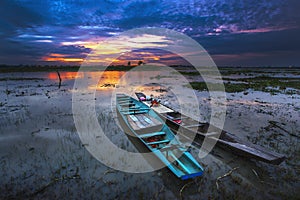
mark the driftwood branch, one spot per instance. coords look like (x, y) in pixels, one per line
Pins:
(225, 175)
(273, 123)
(261, 181)
(157, 193)
(53, 181)
(255, 173)
(183, 187)
(109, 171)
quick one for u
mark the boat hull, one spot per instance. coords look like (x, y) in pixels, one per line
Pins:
(226, 141)
(232, 144)
(180, 162)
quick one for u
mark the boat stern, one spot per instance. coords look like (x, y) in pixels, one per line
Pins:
(189, 176)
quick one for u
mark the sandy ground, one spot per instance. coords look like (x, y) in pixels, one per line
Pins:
(42, 156)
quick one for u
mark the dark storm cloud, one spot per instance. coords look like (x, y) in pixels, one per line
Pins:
(14, 16)
(72, 51)
(33, 29)
(285, 40)
(150, 56)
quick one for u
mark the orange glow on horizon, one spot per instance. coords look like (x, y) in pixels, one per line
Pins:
(73, 59)
(65, 75)
(112, 52)
(61, 58)
(64, 59)
(57, 55)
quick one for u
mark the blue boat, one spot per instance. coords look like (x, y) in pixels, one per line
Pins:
(141, 122)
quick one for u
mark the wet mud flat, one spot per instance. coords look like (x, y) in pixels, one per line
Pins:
(42, 155)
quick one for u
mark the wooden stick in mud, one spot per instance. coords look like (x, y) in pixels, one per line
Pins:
(161, 190)
(53, 181)
(273, 123)
(181, 190)
(58, 74)
(225, 175)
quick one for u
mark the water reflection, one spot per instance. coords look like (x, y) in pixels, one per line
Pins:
(108, 80)
(65, 75)
(111, 79)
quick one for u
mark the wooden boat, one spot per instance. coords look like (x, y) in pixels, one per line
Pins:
(226, 140)
(143, 123)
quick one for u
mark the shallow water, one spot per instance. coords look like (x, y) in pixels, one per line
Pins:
(41, 155)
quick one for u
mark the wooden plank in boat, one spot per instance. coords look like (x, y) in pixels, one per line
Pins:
(127, 104)
(158, 142)
(180, 163)
(128, 109)
(152, 134)
(160, 108)
(134, 112)
(193, 125)
(144, 123)
(212, 134)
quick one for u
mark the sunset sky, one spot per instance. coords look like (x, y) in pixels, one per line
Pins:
(234, 32)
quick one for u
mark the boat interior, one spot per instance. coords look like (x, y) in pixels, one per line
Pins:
(185, 121)
(156, 135)
(148, 128)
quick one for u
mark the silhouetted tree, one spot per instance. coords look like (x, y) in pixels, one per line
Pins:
(140, 62)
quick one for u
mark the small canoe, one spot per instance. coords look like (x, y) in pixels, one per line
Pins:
(226, 140)
(140, 121)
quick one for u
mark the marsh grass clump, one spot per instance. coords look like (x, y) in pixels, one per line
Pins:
(195, 73)
(229, 87)
(263, 83)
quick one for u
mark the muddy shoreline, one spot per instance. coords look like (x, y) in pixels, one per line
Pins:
(42, 156)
